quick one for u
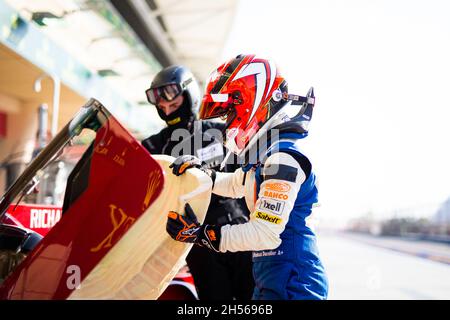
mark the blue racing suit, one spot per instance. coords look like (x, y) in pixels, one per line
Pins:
(280, 193)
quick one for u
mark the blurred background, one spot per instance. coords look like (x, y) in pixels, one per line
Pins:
(379, 139)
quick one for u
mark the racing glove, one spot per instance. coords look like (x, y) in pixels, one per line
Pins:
(182, 163)
(187, 229)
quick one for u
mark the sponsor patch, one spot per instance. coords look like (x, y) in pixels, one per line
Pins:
(273, 206)
(210, 152)
(275, 195)
(267, 217)
(189, 232)
(174, 121)
(44, 218)
(278, 186)
(211, 235)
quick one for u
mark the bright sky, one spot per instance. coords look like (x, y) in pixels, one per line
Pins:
(379, 138)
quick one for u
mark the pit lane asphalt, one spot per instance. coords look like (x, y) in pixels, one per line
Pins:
(364, 267)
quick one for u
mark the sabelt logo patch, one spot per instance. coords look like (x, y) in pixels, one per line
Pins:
(268, 217)
(275, 195)
(278, 186)
(273, 206)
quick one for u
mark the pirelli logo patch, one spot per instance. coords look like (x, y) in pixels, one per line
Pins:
(268, 217)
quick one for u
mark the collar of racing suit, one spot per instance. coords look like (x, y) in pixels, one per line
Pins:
(286, 130)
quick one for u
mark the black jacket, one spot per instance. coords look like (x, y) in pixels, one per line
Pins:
(203, 140)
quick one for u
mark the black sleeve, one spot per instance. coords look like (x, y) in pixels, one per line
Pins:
(154, 143)
(285, 172)
(303, 161)
(223, 210)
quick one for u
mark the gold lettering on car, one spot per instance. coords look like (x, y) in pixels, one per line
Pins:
(154, 179)
(101, 148)
(119, 160)
(120, 220)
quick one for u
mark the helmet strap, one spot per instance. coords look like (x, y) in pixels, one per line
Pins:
(298, 100)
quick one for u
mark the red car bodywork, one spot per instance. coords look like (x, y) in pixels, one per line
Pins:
(123, 181)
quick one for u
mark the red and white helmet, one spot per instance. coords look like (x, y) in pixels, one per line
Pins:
(247, 91)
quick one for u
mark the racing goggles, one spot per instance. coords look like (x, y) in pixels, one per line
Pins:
(168, 92)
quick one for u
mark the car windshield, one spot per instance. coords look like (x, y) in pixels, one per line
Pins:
(56, 160)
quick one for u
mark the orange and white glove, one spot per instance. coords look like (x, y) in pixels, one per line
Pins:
(182, 163)
(187, 229)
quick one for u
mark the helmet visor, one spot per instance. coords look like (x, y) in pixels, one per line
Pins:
(168, 92)
(214, 106)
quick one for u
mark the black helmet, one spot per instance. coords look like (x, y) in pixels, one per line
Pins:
(168, 84)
